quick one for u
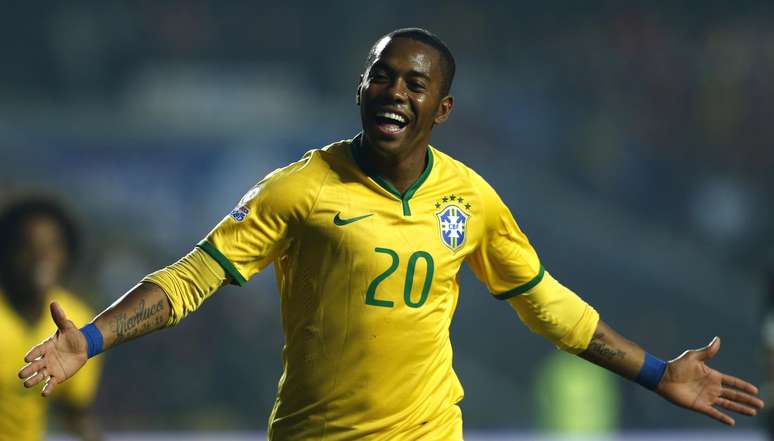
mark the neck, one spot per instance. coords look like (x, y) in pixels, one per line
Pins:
(401, 169)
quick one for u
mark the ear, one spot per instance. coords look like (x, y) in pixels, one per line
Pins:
(444, 109)
(357, 90)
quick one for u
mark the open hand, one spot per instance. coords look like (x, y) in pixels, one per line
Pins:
(58, 357)
(690, 383)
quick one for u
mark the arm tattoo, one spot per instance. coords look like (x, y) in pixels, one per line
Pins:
(144, 320)
(599, 350)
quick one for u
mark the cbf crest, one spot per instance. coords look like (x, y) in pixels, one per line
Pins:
(453, 221)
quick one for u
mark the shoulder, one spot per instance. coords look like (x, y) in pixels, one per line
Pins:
(295, 187)
(313, 166)
(485, 199)
(451, 168)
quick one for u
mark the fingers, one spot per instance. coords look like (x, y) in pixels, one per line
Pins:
(742, 398)
(738, 383)
(716, 414)
(49, 386)
(34, 373)
(37, 378)
(736, 407)
(34, 353)
(31, 368)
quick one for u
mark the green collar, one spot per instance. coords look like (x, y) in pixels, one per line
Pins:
(404, 198)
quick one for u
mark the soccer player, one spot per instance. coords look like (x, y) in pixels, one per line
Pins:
(37, 246)
(367, 236)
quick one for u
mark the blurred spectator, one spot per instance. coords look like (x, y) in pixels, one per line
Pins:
(575, 397)
(38, 244)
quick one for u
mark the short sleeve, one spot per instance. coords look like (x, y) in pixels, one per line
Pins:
(504, 259)
(259, 228)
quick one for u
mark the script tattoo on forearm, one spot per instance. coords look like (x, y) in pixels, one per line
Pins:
(600, 350)
(142, 321)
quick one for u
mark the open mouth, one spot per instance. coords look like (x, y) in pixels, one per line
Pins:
(390, 123)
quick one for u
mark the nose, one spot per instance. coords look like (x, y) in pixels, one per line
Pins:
(397, 90)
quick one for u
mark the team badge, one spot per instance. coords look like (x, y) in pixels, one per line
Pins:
(452, 220)
(453, 224)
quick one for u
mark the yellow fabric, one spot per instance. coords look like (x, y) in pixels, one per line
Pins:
(558, 314)
(188, 283)
(504, 259)
(368, 287)
(23, 411)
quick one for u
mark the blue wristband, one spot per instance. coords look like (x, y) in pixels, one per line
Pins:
(652, 370)
(93, 339)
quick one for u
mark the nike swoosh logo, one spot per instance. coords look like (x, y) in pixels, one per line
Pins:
(341, 222)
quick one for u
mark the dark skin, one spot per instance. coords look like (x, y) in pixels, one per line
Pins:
(687, 382)
(37, 267)
(405, 79)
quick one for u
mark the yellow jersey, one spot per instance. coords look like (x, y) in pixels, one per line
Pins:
(23, 411)
(368, 285)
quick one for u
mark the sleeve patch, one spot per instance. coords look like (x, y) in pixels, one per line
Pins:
(239, 213)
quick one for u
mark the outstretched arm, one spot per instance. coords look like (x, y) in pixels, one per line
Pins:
(143, 309)
(687, 381)
(162, 299)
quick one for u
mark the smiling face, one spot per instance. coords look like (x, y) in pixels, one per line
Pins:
(400, 96)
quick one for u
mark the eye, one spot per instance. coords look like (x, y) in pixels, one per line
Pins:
(417, 86)
(379, 77)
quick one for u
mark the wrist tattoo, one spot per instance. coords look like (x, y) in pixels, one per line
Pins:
(601, 350)
(142, 321)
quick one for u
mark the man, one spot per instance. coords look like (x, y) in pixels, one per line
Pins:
(367, 236)
(37, 245)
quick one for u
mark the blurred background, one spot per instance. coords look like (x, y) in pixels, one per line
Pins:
(633, 144)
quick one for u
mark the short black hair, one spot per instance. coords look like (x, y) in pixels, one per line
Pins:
(423, 36)
(14, 216)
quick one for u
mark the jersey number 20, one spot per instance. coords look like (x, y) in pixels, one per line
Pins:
(370, 297)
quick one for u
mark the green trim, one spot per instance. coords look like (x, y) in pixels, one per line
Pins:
(223, 261)
(386, 185)
(415, 186)
(406, 208)
(523, 288)
(409, 193)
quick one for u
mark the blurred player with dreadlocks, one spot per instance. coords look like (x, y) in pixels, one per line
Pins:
(38, 244)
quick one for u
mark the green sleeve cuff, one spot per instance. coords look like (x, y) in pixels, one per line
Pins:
(522, 288)
(228, 267)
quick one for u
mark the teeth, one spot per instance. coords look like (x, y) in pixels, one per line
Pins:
(393, 116)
